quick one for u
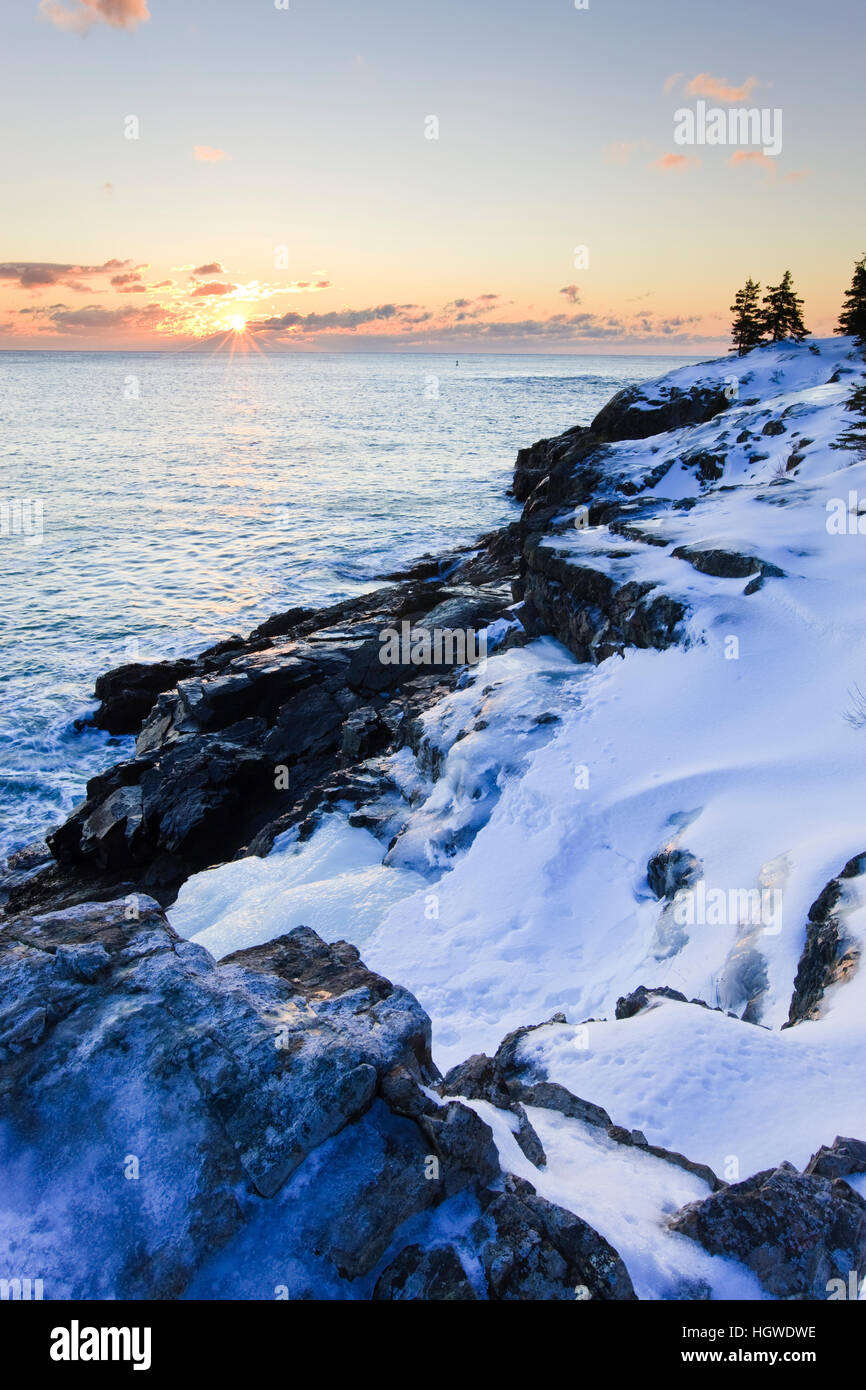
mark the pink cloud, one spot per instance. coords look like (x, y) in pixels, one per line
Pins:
(119, 14)
(34, 275)
(670, 162)
(797, 174)
(756, 157)
(93, 318)
(206, 154)
(719, 88)
(212, 287)
(671, 82)
(619, 151)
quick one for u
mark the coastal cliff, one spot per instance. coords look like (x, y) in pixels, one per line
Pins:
(637, 818)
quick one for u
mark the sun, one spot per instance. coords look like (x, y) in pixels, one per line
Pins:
(238, 323)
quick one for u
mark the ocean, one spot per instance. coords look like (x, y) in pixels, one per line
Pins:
(152, 503)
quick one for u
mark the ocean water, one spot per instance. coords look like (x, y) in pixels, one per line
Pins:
(151, 503)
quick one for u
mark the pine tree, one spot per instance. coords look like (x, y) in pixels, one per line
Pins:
(853, 316)
(747, 327)
(782, 316)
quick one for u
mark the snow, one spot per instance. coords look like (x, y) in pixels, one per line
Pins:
(335, 883)
(519, 886)
(625, 1194)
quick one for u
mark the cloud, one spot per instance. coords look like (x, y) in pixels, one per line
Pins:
(669, 162)
(119, 14)
(740, 157)
(619, 151)
(301, 287)
(406, 325)
(336, 319)
(206, 154)
(719, 88)
(465, 308)
(572, 293)
(210, 288)
(128, 277)
(797, 174)
(671, 82)
(29, 275)
(93, 318)
(212, 268)
(161, 285)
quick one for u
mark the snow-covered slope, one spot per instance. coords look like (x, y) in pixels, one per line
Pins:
(518, 886)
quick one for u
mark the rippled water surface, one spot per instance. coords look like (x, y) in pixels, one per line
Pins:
(186, 497)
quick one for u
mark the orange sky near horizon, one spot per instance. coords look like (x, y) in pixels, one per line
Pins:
(180, 171)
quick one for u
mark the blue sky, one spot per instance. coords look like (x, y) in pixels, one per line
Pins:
(554, 125)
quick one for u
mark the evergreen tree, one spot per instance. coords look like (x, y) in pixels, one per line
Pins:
(747, 328)
(853, 316)
(782, 316)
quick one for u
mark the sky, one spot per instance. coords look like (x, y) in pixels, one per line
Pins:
(422, 175)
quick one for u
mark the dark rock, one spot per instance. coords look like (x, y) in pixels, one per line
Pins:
(282, 624)
(425, 1275)
(843, 1158)
(21, 866)
(729, 564)
(478, 1078)
(108, 1015)
(670, 870)
(708, 467)
(634, 413)
(463, 1143)
(31, 857)
(549, 1095)
(721, 564)
(482, 1078)
(363, 735)
(551, 456)
(367, 1182)
(127, 693)
(796, 1231)
(289, 1068)
(589, 611)
(527, 1139)
(244, 742)
(641, 998)
(532, 1250)
(829, 955)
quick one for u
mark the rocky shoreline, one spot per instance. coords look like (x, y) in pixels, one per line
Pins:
(284, 1100)
(307, 692)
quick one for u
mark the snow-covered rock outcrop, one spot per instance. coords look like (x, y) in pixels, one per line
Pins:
(641, 818)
